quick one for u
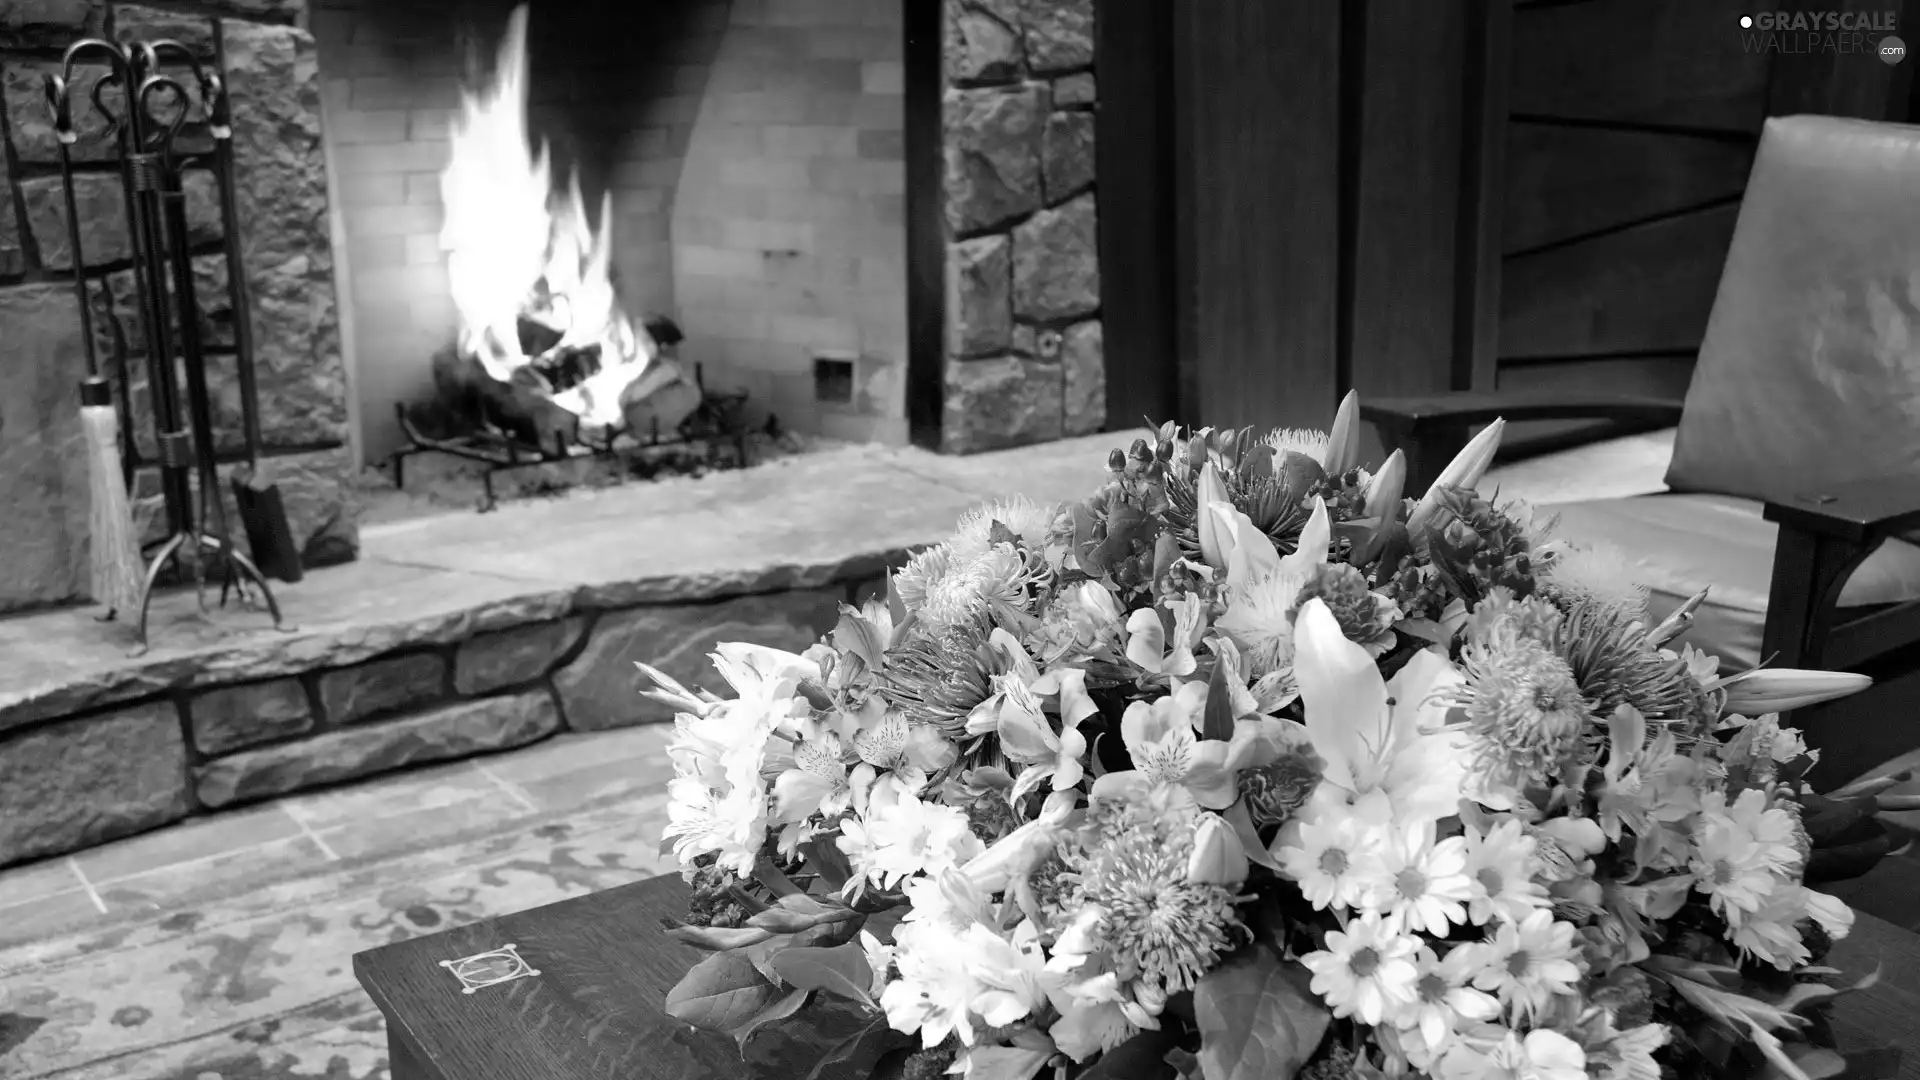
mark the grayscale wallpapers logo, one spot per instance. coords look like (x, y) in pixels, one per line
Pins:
(1809, 32)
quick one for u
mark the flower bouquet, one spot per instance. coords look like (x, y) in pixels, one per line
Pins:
(1246, 766)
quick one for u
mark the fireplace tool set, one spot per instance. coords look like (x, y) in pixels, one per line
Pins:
(143, 126)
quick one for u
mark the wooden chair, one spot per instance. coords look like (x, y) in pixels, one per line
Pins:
(1794, 488)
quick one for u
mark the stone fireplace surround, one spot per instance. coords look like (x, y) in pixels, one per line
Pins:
(282, 204)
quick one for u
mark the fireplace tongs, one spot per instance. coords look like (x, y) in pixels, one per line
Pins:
(144, 133)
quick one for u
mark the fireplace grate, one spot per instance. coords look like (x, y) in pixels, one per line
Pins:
(719, 421)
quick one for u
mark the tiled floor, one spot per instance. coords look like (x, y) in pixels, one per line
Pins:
(304, 834)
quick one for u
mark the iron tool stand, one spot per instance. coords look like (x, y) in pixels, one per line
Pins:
(153, 109)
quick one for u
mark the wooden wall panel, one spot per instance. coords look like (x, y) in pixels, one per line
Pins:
(1257, 110)
(1406, 197)
(1134, 139)
(1564, 182)
(1666, 62)
(1644, 289)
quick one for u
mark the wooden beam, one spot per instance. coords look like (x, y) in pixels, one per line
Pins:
(926, 236)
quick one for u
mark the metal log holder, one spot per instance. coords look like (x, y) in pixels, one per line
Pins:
(143, 130)
(718, 419)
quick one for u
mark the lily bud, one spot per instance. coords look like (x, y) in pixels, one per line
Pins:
(1218, 856)
(1676, 624)
(1769, 690)
(1214, 543)
(1343, 439)
(1384, 493)
(1464, 471)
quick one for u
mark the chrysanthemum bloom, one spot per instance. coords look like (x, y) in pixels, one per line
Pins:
(1367, 972)
(1500, 863)
(1524, 709)
(1443, 997)
(1426, 884)
(1365, 617)
(1022, 518)
(1130, 861)
(1531, 962)
(1335, 861)
(1603, 574)
(1615, 662)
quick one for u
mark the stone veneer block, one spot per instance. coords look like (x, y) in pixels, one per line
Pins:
(382, 686)
(457, 730)
(132, 22)
(1056, 263)
(43, 477)
(509, 657)
(317, 489)
(13, 259)
(1076, 89)
(1066, 155)
(601, 689)
(264, 10)
(980, 311)
(978, 45)
(1083, 369)
(46, 24)
(103, 216)
(236, 717)
(84, 782)
(1005, 401)
(992, 137)
(282, 204)
(1059, 34)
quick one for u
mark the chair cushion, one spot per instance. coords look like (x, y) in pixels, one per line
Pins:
(1681, 544)
(1809, 374)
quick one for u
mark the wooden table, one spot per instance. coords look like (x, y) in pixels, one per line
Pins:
(594, 1012)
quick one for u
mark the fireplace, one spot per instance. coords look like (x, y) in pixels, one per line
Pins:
(871, 219)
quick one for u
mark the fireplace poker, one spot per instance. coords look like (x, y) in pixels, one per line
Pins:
(263, 511)
(113, 543)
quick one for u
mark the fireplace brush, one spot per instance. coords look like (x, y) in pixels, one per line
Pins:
(154, 108)
(117, 566)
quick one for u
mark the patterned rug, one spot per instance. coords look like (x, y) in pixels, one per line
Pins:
(259, 984)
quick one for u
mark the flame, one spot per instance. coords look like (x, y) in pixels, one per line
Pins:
(516, 247)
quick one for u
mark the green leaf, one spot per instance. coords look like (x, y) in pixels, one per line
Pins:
(1184, 1063)
(825, 858)
(1005, 1063)
(862, 1050)
(716, 938)
(841, 970)
(721, 993)
(1143, 1057)
(779, 1010)
(1257, 1018)
(1216, 721)
(1814, 1063)
(797, 911)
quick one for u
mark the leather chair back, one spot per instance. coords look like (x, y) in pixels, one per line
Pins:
(1810, 372)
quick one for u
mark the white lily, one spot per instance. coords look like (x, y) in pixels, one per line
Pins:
(1211, 490)
(1262, 588)
(1376, 736)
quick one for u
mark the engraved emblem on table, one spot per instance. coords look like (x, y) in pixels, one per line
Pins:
(490, 968)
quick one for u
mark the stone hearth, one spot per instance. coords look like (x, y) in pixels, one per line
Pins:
(282, 197)
(464, 633)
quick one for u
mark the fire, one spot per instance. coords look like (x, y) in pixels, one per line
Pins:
(517, 248)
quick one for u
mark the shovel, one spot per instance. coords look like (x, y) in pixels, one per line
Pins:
(263, 511)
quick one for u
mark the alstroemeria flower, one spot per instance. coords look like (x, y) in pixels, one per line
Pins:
(1015, 712)
(1263, 588)
(895, 752)
(1376, 736)
(817, 783)
(1151, 648)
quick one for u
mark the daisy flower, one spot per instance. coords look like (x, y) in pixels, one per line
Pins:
(1442, 996)
(1335, 861)
(1628, 1055)
(1500, 871)
(900, 836)
(1367, 972)
(1426, 883)
(1530, 962)
(1741, 851)
(1771, 932)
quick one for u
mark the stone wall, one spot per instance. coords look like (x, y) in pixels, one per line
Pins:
(1023, 347)
(87, 765)
(283, 224)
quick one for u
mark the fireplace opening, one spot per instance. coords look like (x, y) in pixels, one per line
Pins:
(571, 231)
